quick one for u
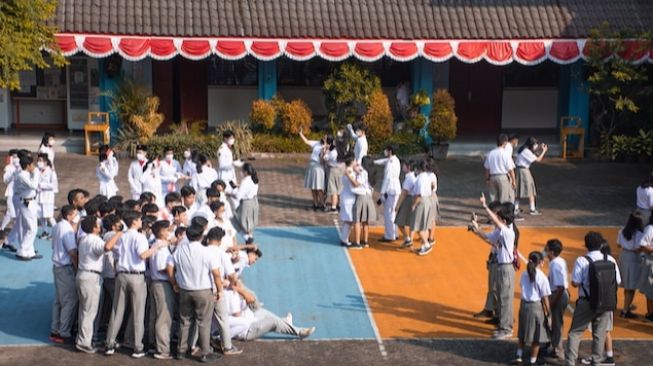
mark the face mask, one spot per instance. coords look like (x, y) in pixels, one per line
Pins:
(186, 154)
(15, 161)
(40, 165)
(76, 219)
(140, 156)
(169, 157)
(51, 142)
(110, 154)
(386, 153)
(231, 141)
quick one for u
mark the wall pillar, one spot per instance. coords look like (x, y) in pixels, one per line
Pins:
(574, 97)
(422, 79)
(108, 85)
(267, 79)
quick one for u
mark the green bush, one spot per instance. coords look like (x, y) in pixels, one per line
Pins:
(207, 145)
(443, 117)
(405, 144)
(243, 135)
(273, 143)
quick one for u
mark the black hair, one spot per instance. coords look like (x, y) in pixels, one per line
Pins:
(177, 210)
(146, 197)
(102, 152)
(494, 206)
(172, 197)
(45, 158)
(594, 241)
(256, 251)
(141, 148)
(199, 221)
(506, 214)
(212, 192)
(167, 149)
(391, 149)
(92, 207)
(529, 144)
(67, 210)
(200, 161)
(187, 191)
(421, 166)
(89, 223)
(149, 208)
(648, 182)
(180, 230)
(502, 139)
(554, 246)
(25, 161)
(107, 207)
(227, 134)
(24, 152)
(158, 226)
(13, 152)
(249, 170)
(218, 182)
(194, 232)
(215, 233)
(129, 217)
(534, 260)
(329, 141)
(72, 194)
(348, 159)
(513, 136)
(633, 224)
(215, 205)
(46, 138)
(117, 200)
(130, 204)
(147, 222)
(109, 221)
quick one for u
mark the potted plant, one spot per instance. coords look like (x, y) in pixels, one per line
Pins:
(443, 121)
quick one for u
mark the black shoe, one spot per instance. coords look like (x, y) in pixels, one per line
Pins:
(10, 248)
(540, 362)
(484, 314)
(492, 321)
(608, 361)
(180, 357)
(628, 315)
(365, 244)
(249, 241)
(384, 240)
(648, 318)
(343, 244)
(25, 259)
(210, 358)
(355, 246)
(37, 256)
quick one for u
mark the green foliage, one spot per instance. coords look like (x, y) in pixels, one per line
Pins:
(416, 121)
(405, 144)
(127, 140)
(195, 128)
(24, 32)
(420, 99)
(629, 147)
(295, 116)
(346, 93)
(443, 117)
(243, 135)
(275, 143)
(127, 100)
(207, 145)
(378, 118)
(263, 114)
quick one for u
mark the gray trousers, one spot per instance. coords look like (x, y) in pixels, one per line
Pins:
(221, 313)
(65, 300)
(500, 189)
(89, 285)
(267, 322)
(132, 286)
(505, 286)
(163, 297)
(557, 322)
(491, 297)
(198, 306)
(584, 315)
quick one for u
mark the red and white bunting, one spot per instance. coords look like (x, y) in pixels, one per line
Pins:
(497, 52)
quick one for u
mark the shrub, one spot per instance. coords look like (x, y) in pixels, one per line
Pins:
(378, 118)
(443, 117)
(242, 133)
(295, 117)
(405, 144)
(273, 143)
(207, 145)
(147, 123)
(127, 100)
(346, 92)
(263, 114)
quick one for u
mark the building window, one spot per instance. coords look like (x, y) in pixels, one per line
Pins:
(546, 74)
(390, 71)
(240, 72)
(303, 73)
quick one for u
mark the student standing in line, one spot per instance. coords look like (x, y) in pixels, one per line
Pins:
(628, 240)
(25, 187)
(189, 168)
(107, 171)
(390, 191)
(357, 132)
(220, 220)
(347, 199)
(161, 290)
(526, 183)
(559, 298)
(170, 171)
(135, 173)
(64, 265)
(315, 177)
(189, 202)
(420, 207)
(91, 250)
(644, 193)
(112, 224)
(247, 199)
(404, 204)
(47, 146)
(11, 169)
(334, 175)
(646, 276)
(151, 180)
(226, 162)
(503, 239)
(48, 187)
(490, 307)
(434, 211)
(204, 177)
(534, 305)
(499, 172)
(363, 209)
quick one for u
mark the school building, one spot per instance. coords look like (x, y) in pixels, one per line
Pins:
(510, 65)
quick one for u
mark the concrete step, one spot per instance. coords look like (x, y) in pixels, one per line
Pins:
(481, 149)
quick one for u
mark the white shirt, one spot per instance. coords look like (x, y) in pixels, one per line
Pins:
(158, 263)
(48, 186)
(525, 158)
(151, 182)
(332, 158)
(205, 212)
(316, 147)
(360, 148)
(558, 273)
(189, 168)
(190, 211)
(498, 162)
(347, 193)
(534, 291)
(633, 243)
(241, 263)
(229, 233)
(508, 149)
(644, 198)
(134, 176)
(580, 274)
(203, 180)
(247, 189)
(364, 187)
(8, 177)
(646, 240)
(109, 262)
(226, 267)
(391, 184)
(106, 172)
(91, 251)
(26, 184)
(130, 247)
(193, 265)
(63, 242)
(409, 183)
(238, 324)
(170, 172)
(504, 242)
(226, 164)
(45, 149)
(422, 185)
(434, 182)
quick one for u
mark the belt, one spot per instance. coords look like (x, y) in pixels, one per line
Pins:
(92, 271)
(504, 264)
(132, 272)
(28, 199)
(521, 167)
(498, 175)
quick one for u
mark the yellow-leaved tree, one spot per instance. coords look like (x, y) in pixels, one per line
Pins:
(378, 118)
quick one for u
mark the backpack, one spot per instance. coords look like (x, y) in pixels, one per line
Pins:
(603, 285)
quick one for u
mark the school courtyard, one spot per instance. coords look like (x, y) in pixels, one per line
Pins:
(381, 305)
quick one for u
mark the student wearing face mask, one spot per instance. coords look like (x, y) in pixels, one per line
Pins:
(25, 189)
(11, 169)
(170, 171)
(357, 132)
(151, 180)
(189, 169)
(107, 171)
(47, 146)
(226, 161)
(136, 172)
(48, 187)
(390, 190)
(204, 177)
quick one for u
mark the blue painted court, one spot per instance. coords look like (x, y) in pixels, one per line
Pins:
(303, 270)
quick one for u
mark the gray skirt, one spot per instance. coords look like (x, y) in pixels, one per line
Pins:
(334, 186)
(364, 210)
(646, 215)
(531, 323)
(314, 177)
(630, 266)
(420, 217)
(247, 214)
(646, 277)
(404, 212)
(525, 183)
(434, 210)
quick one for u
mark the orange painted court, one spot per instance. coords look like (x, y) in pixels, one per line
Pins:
(435, 296)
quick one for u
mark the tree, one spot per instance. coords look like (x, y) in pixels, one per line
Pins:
(443, 117)
(24, 33)
(378, 118)
(347, 91)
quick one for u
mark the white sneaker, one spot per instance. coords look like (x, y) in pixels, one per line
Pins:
(425, 249)
(306, 332)
(288, 318)
(140, 354)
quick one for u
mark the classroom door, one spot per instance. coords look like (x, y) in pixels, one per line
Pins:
(477, 90)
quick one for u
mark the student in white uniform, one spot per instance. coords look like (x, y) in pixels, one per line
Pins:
(226, 162)
(189, 202)
(204, 177)
(111, 224)
(160, 289)
(644, 202)
(364, 210)
(314, 177)
(11, 169)
(420, 207)
(189, 168)
(357, 132)
(25, 187)
(646, 277)
(404, 204)
(107, 171)
(503, 240)
(499, 172)
(390, 191)
(47, 146)
(535, 292)
(434, 211)
(91, 251)
(151, 180)
(193, 272)
(132, 251)
(220, 220)
(247, 198)
(347, 200)
(226, 196)
(48, 188)
(630, 265)
(334, 175)
(583, 313)
(64, 265)
(525, 182)
(170, 171)
(135, 172)
(559, 298)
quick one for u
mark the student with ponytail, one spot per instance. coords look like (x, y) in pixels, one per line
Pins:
(247, 201)
(535, 292)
